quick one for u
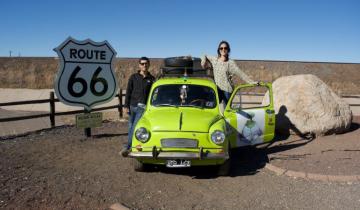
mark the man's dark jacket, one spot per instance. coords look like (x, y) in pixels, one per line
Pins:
(138, 89)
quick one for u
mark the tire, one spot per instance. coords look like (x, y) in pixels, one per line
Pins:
(174, 70)
(225, 168)
(139, 166)
(179, 62)
(181, 71)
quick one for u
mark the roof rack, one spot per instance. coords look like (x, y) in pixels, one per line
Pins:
(184, 66)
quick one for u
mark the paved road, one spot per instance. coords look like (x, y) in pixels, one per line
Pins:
(24, 126)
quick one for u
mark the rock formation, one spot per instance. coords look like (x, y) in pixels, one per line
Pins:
(305, 104)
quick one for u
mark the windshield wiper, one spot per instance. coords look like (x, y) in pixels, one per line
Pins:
(191, 105)
(172, 105)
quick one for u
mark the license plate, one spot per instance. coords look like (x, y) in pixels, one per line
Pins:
(178, 163)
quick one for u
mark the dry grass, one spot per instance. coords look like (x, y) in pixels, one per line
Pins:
(40, 72)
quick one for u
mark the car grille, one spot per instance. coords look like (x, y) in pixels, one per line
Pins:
(179, 142)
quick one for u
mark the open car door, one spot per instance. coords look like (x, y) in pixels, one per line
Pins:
(250, 115)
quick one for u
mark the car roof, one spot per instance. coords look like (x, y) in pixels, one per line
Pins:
(186, 80)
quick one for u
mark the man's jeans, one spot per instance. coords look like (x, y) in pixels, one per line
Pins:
(135, 114)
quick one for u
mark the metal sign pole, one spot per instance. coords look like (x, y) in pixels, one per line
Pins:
(87, 130)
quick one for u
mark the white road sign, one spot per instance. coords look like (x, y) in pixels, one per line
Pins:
(85, 77)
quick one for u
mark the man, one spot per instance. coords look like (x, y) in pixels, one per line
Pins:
(137, 92)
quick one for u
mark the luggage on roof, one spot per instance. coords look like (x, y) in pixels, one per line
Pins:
(184, 66)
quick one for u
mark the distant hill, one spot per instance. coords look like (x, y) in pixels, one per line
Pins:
(39, 72)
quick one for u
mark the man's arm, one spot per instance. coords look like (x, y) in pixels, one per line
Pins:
(129, 89)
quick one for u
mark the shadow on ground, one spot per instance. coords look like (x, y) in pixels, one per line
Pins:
(107, 135)
(245, 161)
(354, 126)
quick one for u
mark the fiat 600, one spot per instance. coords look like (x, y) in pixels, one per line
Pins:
(184, 124)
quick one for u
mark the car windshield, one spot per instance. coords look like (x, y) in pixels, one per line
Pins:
(184, 95)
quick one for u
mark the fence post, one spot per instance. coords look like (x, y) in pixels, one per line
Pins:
(52, 109)
(120, 108)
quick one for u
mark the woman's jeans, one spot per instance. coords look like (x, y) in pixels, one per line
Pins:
(224, 96)
(227, 96)
(136, 113)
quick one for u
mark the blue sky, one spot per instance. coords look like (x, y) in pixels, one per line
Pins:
(302, 30)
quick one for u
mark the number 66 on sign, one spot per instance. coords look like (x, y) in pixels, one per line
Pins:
(85, 77)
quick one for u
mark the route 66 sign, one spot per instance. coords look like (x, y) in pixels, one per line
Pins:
(85, 77)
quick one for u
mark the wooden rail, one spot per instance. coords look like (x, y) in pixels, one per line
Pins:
(53, 112)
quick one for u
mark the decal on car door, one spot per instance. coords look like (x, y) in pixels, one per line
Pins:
(250, 127)
(250, 115)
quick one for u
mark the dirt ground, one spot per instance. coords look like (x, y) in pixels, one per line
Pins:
(62, 169)
(327, 155)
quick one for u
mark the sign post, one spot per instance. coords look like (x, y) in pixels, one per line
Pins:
(87, 129)
(85, 77)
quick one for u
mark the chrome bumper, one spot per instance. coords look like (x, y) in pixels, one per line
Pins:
(158, 154)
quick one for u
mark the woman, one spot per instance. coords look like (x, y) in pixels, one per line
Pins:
(223, 67)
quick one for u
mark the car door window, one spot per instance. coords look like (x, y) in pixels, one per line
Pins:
(250, 115)
(250, 97)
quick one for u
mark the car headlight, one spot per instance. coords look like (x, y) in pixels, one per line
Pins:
(218, 137)
(142, 134)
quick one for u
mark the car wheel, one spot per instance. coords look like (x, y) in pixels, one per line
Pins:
(225, 168)
(139, 166)
(179, 62)
(174, 70)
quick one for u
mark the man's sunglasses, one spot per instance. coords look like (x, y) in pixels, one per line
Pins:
(143, 64)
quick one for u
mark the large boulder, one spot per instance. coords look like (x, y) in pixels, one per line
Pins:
(305, 104)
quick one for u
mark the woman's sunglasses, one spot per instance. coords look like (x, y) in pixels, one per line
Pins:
(223, 48)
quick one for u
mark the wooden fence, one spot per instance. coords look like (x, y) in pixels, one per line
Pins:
(52, 101)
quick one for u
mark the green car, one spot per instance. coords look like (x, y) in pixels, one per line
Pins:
(184, 124)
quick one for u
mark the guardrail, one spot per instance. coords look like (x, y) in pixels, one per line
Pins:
(52, 100)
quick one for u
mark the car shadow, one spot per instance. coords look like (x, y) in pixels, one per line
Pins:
(196, 172)
(247, 161)
(108, 135)
(251, 159)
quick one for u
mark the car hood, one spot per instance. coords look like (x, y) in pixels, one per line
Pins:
(181, 120)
